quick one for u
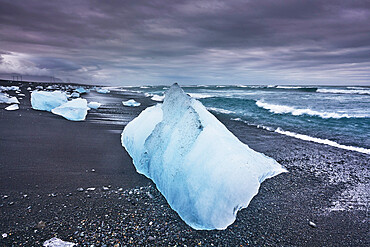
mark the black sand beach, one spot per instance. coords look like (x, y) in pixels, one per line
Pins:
(45, 159)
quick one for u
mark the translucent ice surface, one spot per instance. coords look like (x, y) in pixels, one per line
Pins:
(46, 101)
(74, 110)
(206, 174)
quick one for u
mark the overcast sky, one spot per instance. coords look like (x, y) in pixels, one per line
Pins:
(191, 42)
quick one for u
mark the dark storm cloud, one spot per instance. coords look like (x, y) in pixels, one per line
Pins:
(189, 41)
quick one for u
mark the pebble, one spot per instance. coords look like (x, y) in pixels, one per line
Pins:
(312, 224)
(41, 225)
(80, 189)
(150, 238)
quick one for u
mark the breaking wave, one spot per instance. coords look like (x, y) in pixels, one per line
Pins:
(307, 138)
(220, 110)
(283, 109)
(344, 91)
(322, 141)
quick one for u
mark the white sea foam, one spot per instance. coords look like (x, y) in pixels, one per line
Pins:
(343, 91)
(356, 88)
(281, 109)
(322, 141)
(289, 87)
(258, 125)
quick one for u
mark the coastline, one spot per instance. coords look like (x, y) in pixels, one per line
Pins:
(48, 158)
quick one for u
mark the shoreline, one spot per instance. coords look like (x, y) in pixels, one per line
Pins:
(40, 148)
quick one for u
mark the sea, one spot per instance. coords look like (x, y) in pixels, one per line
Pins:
(335, 116)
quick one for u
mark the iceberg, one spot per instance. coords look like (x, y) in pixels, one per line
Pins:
(56, 242)
(12, 107)
(75, 95)
(81, 90)
(5, 98)
(158, 98)
(205, 173)
(74, 110)
(94, 105)
(102, 90)
(131, 102)
(46, 101)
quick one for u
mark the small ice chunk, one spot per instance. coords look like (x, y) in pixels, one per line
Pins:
(94, 105)
(90, 189)
(46, 101)
(21, 94)
(131, 102)
(29, 88)
(12, 107)
(158, 98)
(312, 224)
(39, 87)
(74, 110)
(102, 90)
(80, 90)
(205, 173)
(56, 242)
(5, 98)
(75, 95)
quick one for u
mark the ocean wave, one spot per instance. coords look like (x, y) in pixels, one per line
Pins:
(224, 111)
(344, 91)
(290, 87)
(356, 88)
(283, 109)
(322, 141)
(201, 95)
(306, 137)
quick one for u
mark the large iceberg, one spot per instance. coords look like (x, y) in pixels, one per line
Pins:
(206, 174)
(74, 110)
(46, 101)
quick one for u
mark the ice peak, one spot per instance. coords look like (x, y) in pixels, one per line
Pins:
(176, 102)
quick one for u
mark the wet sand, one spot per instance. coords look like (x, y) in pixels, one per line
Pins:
(44, 159)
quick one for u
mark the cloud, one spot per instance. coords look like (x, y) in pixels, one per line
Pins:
(127, 42)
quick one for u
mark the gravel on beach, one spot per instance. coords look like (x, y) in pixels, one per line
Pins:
(92, 196)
